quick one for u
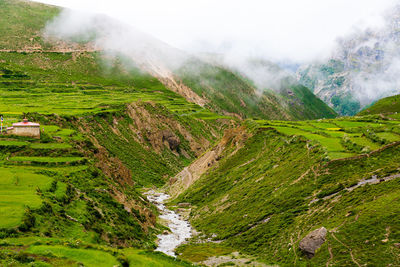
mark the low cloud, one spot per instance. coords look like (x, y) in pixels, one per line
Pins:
(295, 30)
(246, 35)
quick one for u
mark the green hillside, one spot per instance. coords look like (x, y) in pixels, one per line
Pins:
(279, 186)
(21, 24)
(388, 105)
(278, 163)
(228, 92)
(75, 195)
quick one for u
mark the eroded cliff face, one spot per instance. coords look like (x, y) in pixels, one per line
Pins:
(146, 145)
(157, 129)
(232, 138)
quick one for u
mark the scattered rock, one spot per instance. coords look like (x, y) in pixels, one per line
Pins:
(397, 245)
(385, 240)
(313, 241)
(183, 205)
(366, 242)
(180, 210)
(349, 214)
(71, 218)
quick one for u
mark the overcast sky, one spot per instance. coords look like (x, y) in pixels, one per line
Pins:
(298, 30)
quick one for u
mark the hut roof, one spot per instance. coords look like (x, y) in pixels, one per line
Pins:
(25, 123)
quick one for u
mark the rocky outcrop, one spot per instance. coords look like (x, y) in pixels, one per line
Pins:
(313, 241)
(161, 130)
(172, 140)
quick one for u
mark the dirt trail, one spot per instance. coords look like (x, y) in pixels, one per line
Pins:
(373, 180)
(350, 251)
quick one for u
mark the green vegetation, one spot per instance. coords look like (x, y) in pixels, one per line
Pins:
(110, 130)
(265, 197)
(63, 83)
(21, 23)
(90, 258)
(344, 137)
(17, 190)
(201, 252)
(386, 105)
(50, 146)
(46, 159)
(229, 92)
(53, 252)
(152, 259)
(80, 182)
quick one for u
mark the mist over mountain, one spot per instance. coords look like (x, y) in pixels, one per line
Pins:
(362, 69)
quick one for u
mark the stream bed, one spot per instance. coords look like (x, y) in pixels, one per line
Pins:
(180, 228)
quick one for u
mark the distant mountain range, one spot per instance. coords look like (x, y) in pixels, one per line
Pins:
(363, 68)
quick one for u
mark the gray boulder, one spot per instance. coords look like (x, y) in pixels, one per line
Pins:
(313, 241)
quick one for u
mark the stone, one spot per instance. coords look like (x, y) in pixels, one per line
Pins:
(313, 241)
(397, 245)
(172, 140)
(183, 205)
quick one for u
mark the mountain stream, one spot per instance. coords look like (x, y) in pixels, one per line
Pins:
(180, 229)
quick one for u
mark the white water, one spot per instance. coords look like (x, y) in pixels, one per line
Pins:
(180, 229)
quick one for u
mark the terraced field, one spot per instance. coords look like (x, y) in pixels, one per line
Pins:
(22, 166)
(344, 137)
(53, 88)
(35, 193)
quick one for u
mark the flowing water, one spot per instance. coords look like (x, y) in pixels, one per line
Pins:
(180, 229)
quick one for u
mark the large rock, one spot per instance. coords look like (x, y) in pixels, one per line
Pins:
(313, 241)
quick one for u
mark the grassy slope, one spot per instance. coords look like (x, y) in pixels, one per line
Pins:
(383, 106)
(21, 23)
(50, 252)
(76, 201)
(89, 167)
(228, 92)
(344, 137)
(258, 201)
(24, 21)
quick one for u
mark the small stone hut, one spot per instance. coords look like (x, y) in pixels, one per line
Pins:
(25, 128)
